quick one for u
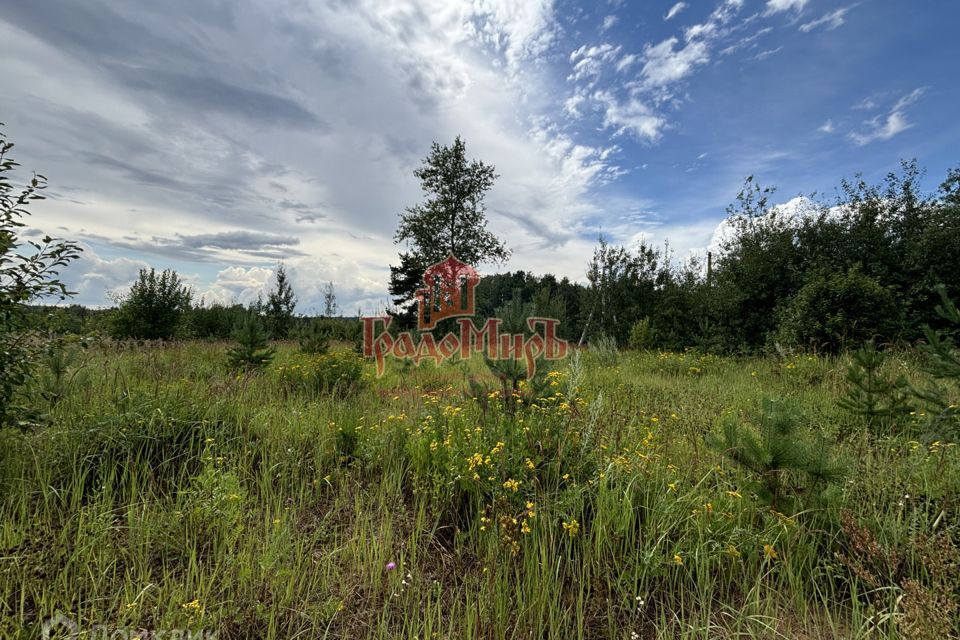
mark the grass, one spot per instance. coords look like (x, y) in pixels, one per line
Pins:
(165, 492)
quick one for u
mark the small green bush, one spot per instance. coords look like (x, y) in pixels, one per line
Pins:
(338, 373)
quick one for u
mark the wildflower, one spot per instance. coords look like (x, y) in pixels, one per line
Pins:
(677, 559)
(732, 551)
(734, 494)
(572, 528)
(390, 566)
(497, 448)
(529, 464)
(769, 552)
(525, 528)
(194, 607)
(708, 507)
(672, 486)
(511, 484)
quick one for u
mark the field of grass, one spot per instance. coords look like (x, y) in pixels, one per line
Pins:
(164, 492)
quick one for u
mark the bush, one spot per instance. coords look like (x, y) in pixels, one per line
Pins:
(641, 335)
(154, 308)
(315, 337)
(832, 310)
(337, 373)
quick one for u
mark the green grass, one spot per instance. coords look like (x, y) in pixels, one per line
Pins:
(164, 492)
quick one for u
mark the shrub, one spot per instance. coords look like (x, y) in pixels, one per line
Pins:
(337, 372)
(835, 309)
(154, 308)
(26, 273)
(315, 337)
(641, 335)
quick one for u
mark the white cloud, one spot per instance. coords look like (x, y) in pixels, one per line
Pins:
(777, 6)
(829, 21)
(588, 62)
(826, 127)
(884, 127)
(608, 23)
(665, 64)
(633, 116)
(674, 10)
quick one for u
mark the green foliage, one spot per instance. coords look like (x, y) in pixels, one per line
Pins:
(779, 454)
(604, 350)
(516, 387)
(834, 309)
(641, 335)
(217, 321)
(315, 337)
(622, 287)
(452, 220)
(278, 311)
(943, 364)
(336, 373)
(29, 269)
(880, 398)
(252, 350)
(155, 307)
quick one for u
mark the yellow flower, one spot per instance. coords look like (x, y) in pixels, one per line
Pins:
(769, 552)
(572, 528)
(512, 485)
(677, 559)
(525, 528)
(734, 494)
(672, 486)
(732, 550)
(529, 464)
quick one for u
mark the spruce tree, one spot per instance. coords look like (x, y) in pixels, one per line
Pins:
(252, 350)
(278, 310)
(879, 398)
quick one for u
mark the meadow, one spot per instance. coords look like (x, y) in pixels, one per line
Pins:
(162, 491)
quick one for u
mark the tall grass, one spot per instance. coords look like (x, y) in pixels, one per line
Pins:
(166, 492)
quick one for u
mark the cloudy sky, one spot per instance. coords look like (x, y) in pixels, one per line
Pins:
(218, 136)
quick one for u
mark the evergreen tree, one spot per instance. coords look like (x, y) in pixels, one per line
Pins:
(252, 350)
(877, 397)
(774, 450)
(278, 311)
(452, 220)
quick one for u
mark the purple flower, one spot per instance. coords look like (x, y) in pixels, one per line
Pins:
(391, 566)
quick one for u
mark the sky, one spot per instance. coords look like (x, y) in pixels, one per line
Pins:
(218, 137)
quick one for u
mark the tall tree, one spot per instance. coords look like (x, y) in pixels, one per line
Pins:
(452, 220)
(281, 302)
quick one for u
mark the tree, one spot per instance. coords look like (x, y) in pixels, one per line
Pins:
(279, 308)
(154, 308)
(329, 300)
(251, 350)
(29, 270)
(452, 220)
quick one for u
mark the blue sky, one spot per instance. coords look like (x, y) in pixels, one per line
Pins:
(216, 137)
